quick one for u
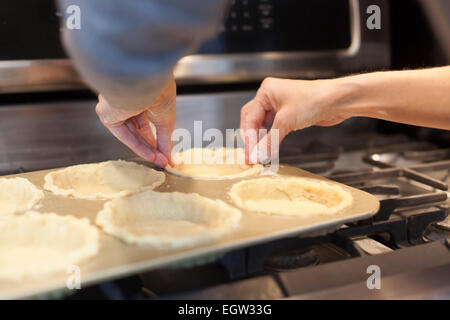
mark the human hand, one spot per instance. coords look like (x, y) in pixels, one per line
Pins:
(288, 105)
(132, 127)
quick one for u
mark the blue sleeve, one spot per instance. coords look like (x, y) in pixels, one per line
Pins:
(126, 50)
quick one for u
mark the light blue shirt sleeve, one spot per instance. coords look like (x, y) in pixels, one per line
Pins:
(127, 49)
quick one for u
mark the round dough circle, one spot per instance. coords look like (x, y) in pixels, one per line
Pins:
(290, 196)
(38, 244)
(212, 164)
(18, 194)
(104, 180)
(167, 220)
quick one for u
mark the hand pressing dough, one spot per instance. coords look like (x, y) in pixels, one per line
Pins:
(212, 164)
(290, 196)
(104, 180)
(38, 244)
(167, 220)
(18, 194)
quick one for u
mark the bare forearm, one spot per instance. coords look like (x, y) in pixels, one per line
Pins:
(418, 97)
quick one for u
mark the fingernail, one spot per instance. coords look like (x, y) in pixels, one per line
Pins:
(150, 157)
(258, 156)
(253, 159)
(161, 160)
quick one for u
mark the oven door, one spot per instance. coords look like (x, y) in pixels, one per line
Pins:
(319, 40)
(259, 38)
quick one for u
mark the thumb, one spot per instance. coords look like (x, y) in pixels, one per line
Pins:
(269, 146)
(164, 122)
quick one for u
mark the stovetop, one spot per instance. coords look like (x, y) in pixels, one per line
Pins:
(408, 239)
(409, 235)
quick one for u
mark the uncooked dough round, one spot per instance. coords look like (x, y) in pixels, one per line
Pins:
(38, 244)
(18, 194)
(290, 196)
(167, 220)
(212, 164)
(104, 180)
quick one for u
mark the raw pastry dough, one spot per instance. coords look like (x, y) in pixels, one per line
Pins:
(290, 196)
(167, 220)
(212, 164)
(18, 194)
(38, 244)
(104, 180)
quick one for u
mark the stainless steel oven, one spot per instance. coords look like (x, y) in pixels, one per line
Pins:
(259, 38)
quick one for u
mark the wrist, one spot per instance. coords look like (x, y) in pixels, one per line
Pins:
(359, 95)
(342, 96)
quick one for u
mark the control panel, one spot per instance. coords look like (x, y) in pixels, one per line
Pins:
(283, 25)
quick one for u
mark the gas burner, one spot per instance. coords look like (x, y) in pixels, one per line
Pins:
(286, 260)
(408, 159)
(444, 225)
(365, 177)
(400, 149)
(316, 157)
(401, 196)
(316, 167)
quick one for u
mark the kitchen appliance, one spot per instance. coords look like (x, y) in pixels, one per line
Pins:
(406, 168)
(259, 38)
(407, 238)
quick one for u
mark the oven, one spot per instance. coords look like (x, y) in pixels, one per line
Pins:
(406, 168)
(258, 38)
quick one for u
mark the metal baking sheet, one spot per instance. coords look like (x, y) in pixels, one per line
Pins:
(117, 259)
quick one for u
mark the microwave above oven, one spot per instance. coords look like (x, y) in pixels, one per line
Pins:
(259, 38)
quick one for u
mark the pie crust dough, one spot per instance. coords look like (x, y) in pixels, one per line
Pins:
(38, 244)
(18, 194)
(104, 180)
(167, 220)
(290, 196)
(212, 164)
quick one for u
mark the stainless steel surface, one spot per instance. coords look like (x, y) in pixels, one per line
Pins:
(261, 288)
(312, 64)
(38, 75)
(403, 276)
(348, 279)
(41, 136)
(438, 12)
(364, 53)
(426, 284)
(117, 259)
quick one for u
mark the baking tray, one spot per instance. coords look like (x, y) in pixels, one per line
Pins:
(117, 259)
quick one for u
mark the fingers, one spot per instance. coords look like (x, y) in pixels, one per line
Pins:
(128, 135)
(270, 116)
(133, 127)
(142, 124)
(164, 120)
(254, 116)
(162, 113)
(268, 147)
(164, 134)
